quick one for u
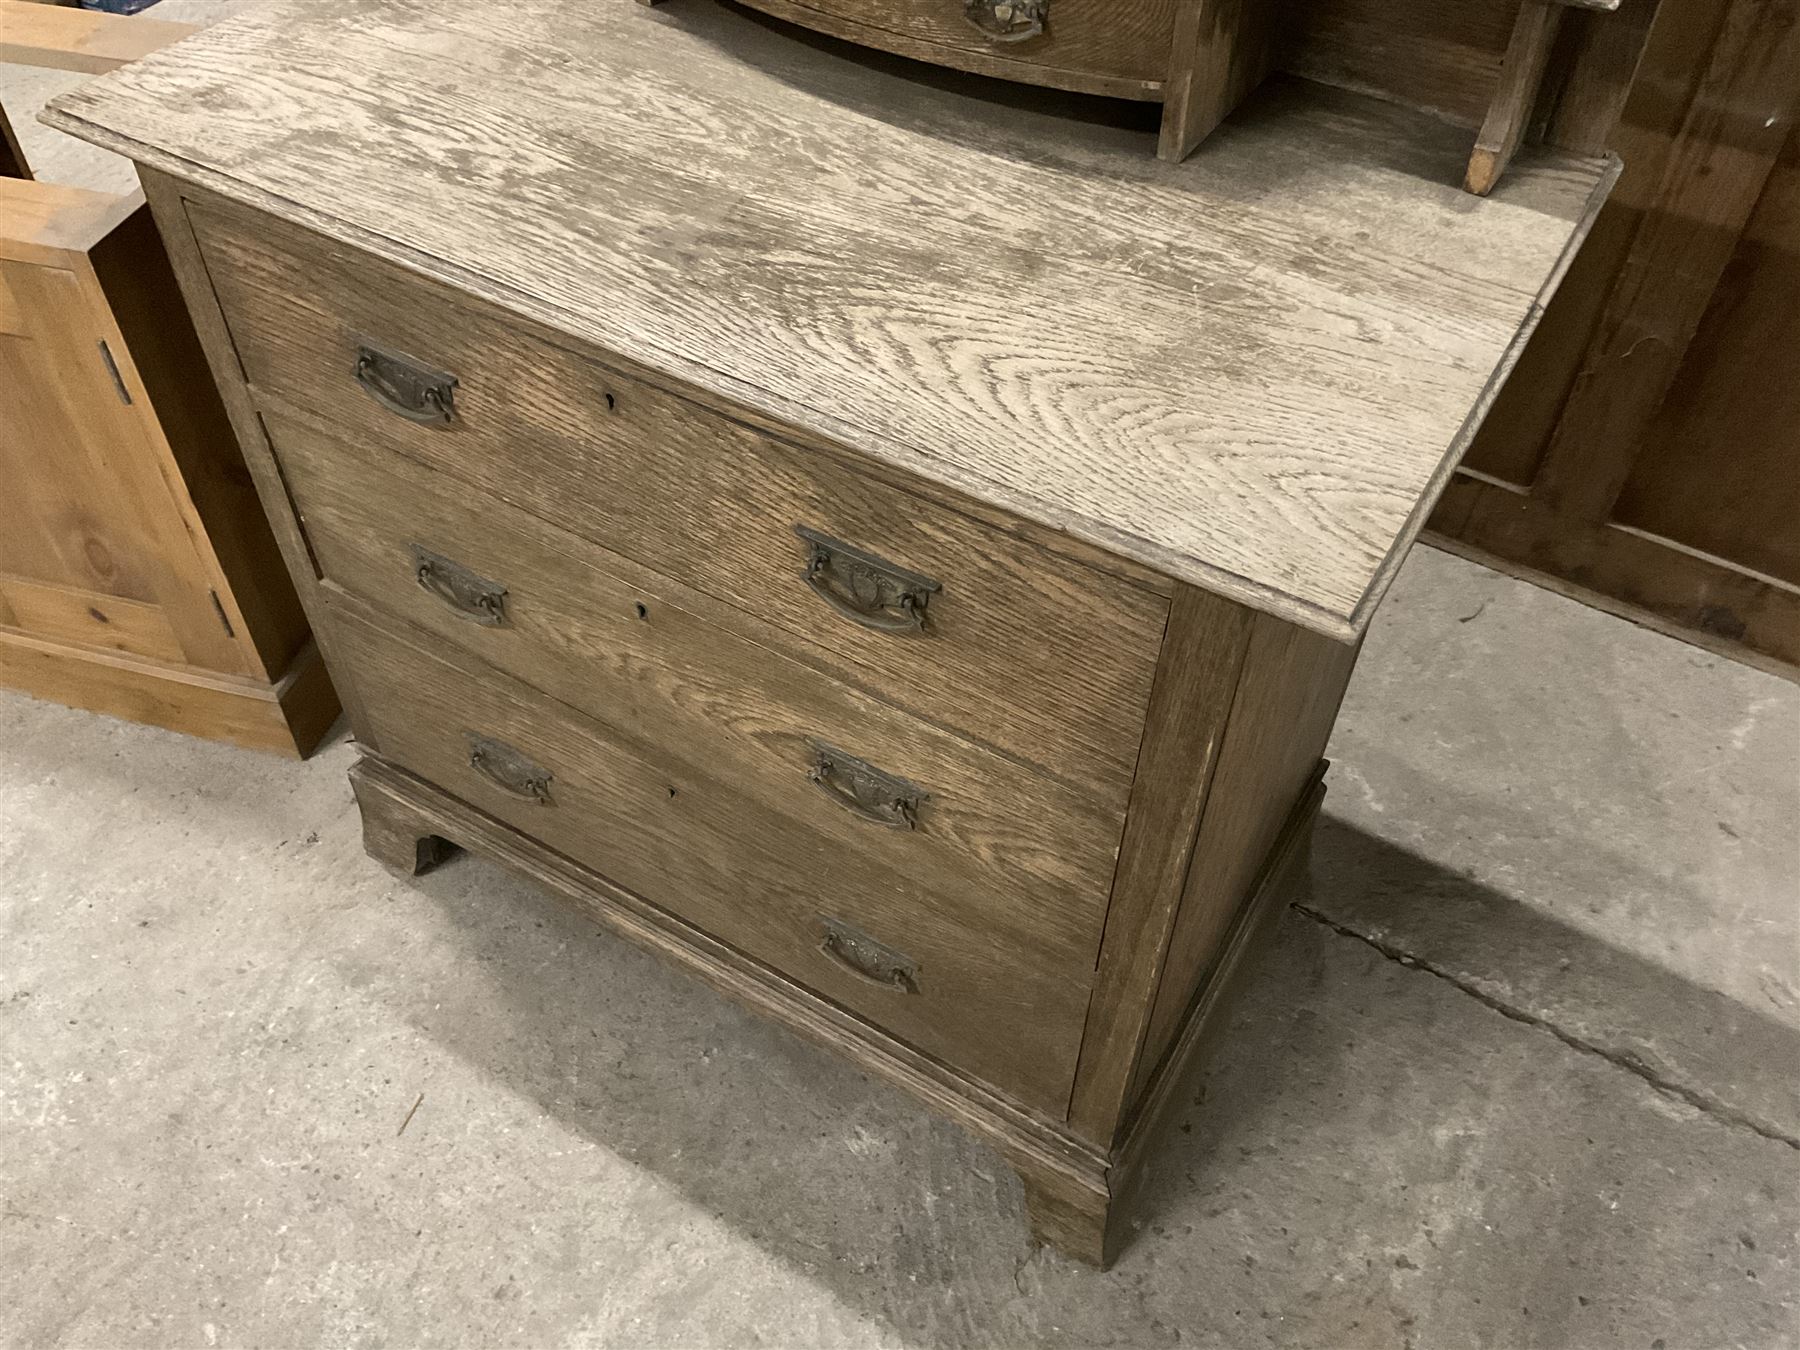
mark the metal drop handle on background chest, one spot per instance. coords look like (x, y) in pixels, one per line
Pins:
(1008, 20)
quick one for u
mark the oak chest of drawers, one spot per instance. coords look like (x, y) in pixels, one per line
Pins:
(902, 565)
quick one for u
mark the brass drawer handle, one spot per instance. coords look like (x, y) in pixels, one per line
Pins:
(872, 591)
(509, 768)
(471, 595)
(402, 385)
(867, 959)
(1008, 20)
(860, 787)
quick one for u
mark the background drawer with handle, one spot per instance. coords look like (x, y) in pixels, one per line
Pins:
(668, 668)
(959, 622)
(833, 918)
(1125, 39)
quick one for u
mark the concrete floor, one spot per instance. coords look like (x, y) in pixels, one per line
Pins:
(1522, 1072)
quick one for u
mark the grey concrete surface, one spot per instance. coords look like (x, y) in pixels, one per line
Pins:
(255, 1091)
(1583, 821)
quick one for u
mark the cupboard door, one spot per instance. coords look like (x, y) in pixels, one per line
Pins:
(1641, 456)
(94, 549)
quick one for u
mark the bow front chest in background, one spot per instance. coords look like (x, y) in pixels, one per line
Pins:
(895, 553)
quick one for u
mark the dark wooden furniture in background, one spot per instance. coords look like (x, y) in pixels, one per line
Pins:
(1646, 455)
(138, 575)
(895, 553)
(1499, 68)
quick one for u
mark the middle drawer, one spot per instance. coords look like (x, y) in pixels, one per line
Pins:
(1024, 856)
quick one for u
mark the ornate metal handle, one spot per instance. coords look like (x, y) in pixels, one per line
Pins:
(867, 959)
(872, 591)
(471, 595)
(509, 768)
(402, 385)
(858, 786)
(1008, 20)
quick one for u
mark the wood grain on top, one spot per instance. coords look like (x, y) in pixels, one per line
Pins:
(1251, 371)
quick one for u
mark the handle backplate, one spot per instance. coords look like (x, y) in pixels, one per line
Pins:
(470, 594)
(866, 958)
(509, 768)
(405, 386)
(1008, 20)
(871, 591)
(864, 790)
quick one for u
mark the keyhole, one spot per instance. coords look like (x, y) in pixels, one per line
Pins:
(671, 792)
(611, 403)
(643, 611)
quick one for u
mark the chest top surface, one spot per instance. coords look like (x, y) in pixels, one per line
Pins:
(1252, 371)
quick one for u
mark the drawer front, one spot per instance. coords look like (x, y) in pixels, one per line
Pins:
(832, 918)
(1028, 859)
(1020, 647)
(1121, 39)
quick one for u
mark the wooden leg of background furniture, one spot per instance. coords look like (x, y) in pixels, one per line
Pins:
(395, 834)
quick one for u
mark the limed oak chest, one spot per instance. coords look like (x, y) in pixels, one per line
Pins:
(895, 554)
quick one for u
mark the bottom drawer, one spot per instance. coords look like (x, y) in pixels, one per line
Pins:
(901, 956)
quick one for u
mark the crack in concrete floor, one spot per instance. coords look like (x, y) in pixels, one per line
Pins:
(1700, 1099)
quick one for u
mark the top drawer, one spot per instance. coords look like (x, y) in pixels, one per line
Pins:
(967, 625)
(1064, 40)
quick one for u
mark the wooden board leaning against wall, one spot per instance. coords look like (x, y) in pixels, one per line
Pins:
(1646, 455)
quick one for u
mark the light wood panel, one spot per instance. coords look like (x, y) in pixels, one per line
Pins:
(45, 222)
(90, 618)
(89, 508)
(948, 318)
(130, 578)
(81, 40)
(288, 717)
